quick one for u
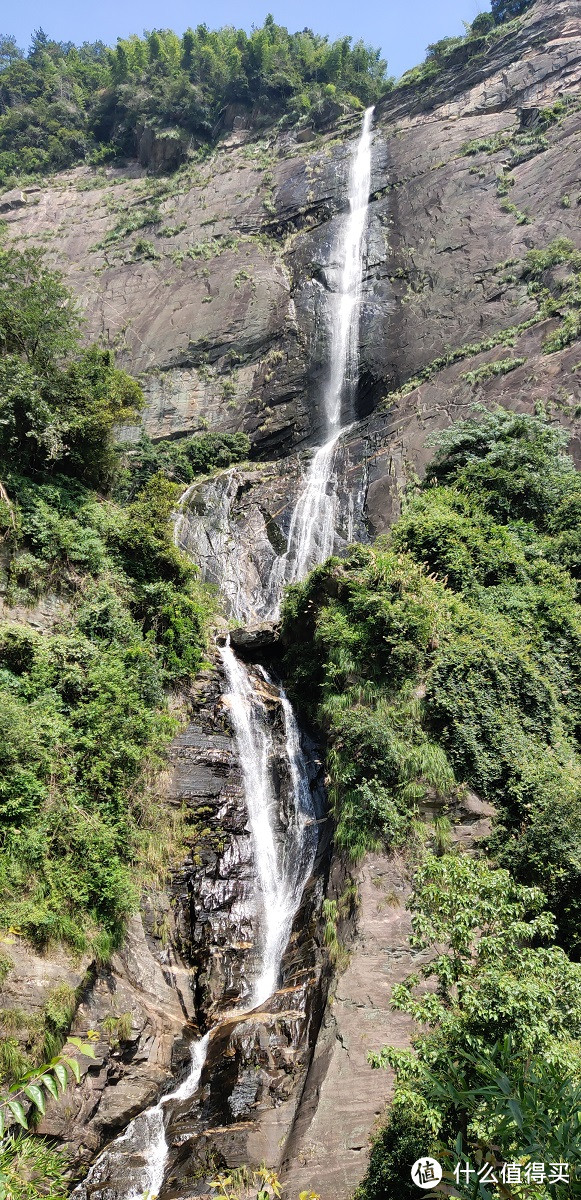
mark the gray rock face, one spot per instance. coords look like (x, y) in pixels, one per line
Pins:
(224, 326)
(143, 988)
(343, 1100)
(252, 641)
(256, 1066)
(236, 525)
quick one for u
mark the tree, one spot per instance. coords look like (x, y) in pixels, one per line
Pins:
(59, 402)
(505, 10)
(498, 1030)
(39, 320)
(513, 464)
(526, 1111)
(483, 23)
(9, 51)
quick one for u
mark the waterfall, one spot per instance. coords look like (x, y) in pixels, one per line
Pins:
(312, 528)
(344, 357)
(284, 854)
(284, 845)
(142, 1174)
(281, 871)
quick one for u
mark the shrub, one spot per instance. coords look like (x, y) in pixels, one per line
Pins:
(181, 461)
(498, 1031)
(83, 712)
(59, 401)
(505, 10)
(449, 653)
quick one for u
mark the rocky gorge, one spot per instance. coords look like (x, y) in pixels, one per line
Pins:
(220, 299)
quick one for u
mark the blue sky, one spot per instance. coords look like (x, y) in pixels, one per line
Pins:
(403, 30)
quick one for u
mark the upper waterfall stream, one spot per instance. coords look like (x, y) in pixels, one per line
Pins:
(283, 844)
(312, 530)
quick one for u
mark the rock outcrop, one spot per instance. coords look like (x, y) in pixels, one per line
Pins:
(211, 285)
(344, 1099)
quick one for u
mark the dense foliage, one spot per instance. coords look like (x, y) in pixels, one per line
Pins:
(448, 657)
(83, 712)
(58, 403)
(449, 654)
(454, 52)
(495, 1074)
(61, 104)
(505, 10)
(181, 460)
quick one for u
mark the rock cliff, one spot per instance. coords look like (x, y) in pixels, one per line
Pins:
(211, 285)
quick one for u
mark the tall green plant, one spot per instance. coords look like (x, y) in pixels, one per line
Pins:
(29, 1168)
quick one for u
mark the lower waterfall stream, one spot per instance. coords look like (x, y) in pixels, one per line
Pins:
(283, 855)
(284, 845)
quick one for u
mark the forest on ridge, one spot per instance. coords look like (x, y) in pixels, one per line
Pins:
(166, 325)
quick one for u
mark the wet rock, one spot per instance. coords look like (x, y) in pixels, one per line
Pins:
(125, 1076)
(252, 641)
(257, 1062)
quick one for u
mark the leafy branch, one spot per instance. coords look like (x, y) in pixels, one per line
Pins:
(269, 1186)
(29, 1094)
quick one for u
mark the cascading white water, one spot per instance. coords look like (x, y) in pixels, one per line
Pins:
(312, 529)
(284, 855)
(144, 1173)
(344, 356)
(284, 852)
(281, 873)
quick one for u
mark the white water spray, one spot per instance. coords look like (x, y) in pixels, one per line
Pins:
(344, 358)
(284, 853)
(281, 870)
(312, 529)
(143, 1171)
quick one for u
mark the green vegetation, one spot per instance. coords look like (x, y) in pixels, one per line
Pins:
(29, 1167)
(238, 1184)
(557, 295)
(502, 366)
(31, 1170)
(506, 337)
(494, 1076)
(446, 658)
(181, 460)
(84, 717)
(450, 53)
(505, 10)
(59, 403)
(118, 1029)
(521, 143)
(61, 104)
